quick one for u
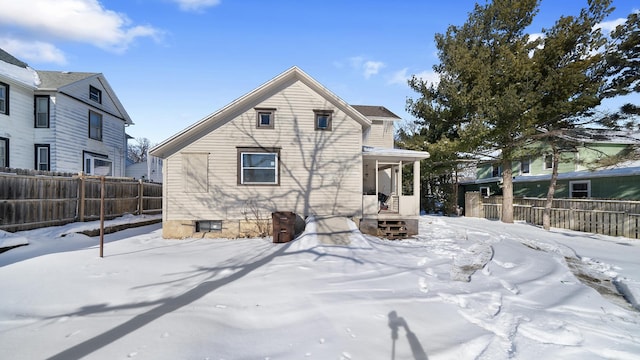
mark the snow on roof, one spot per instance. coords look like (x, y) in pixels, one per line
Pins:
(20, 74)
(393, 153)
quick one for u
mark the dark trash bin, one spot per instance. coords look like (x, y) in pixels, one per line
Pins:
(283, 226)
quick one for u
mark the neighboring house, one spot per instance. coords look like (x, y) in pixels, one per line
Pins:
(289, 145)
(148, 170)
(60, 121)
(581, 173)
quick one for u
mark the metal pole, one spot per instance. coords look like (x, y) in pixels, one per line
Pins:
(101, 215)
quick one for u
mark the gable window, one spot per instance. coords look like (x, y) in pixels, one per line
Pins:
(265, 118)
(525, 166)
(259, 166)
(4, 152)
(42, 111)
(496, 170)
(323, 119)
(43, 157)
(95, 125)
(97, 164)
(4, 98)
(548, 162)
(95, 94)
(580, 189)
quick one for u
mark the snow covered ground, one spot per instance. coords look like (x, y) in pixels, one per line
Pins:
(464, 289)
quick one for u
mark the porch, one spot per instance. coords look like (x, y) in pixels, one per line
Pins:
(389, 207)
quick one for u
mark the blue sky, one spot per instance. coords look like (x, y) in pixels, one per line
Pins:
(172, 62)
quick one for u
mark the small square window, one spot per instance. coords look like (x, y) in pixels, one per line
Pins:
(95, 94)
(265, 118)
(323, 119)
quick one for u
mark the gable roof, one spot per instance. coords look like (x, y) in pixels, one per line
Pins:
(58, 79)
(10, 59)
(376, 112)
(214, 120)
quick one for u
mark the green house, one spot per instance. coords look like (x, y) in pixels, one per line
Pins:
(581, 173)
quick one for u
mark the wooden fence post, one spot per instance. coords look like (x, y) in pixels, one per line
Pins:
(140, 197)
(81, 199)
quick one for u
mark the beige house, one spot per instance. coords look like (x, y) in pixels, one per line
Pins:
(289, 145)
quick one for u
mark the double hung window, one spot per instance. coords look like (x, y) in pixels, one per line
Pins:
(95, 125)
(42, 111)
(4, 98)
(258, 166)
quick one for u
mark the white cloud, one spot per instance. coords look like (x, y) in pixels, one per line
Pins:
(609, 26)
(196, 5)
(85, 21)
(33, 51)
(368, 67)
(372, 68)
(402, 76)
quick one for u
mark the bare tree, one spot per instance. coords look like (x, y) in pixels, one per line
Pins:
(137, 152)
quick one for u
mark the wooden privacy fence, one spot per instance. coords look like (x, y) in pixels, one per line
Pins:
(608, 217)
(34, 201)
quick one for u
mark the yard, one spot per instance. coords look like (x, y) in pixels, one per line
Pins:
(466, 288)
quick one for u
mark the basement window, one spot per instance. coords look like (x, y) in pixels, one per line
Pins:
(209, 226)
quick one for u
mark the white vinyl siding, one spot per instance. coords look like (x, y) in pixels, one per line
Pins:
(195, 169)
(320, 171)
(380, 134)
(18, 127)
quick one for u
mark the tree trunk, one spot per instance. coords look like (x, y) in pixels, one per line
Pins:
(546, 215)
(507, 191)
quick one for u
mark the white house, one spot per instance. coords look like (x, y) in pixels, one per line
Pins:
(289, 145)
(60, 121)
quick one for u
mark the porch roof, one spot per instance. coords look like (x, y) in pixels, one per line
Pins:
(392, 155)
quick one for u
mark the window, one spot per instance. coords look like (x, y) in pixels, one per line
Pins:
(4, 152)
(548, 162)
(95, 125)
(580, 189)
(323, 119)
(208, 225)
(496, 170)
(195, 172)
(96, 164)
(525, 166)
(258, 166)
(4, 98)
(265, 118)
(485, 191)
(95, 94)
(42, 111)
(43, 157)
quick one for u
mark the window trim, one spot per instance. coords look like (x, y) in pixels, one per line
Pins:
(208, 225)
(494, 167)
(528, 162)
(101, 125)
(544, 162)
(88, 155)
(6, 155)
(272, 115)
(257, 150)
(7, 88)
(95, 94)
(35, 110)
(574, 182)
(485, 191)
(317, 114)
(37, 147)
